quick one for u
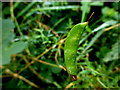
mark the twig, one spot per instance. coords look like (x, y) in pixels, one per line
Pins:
(117, 69)
(13, 17)
(11, 10)
(61, 41)
(43, 62)
(69, 85)
(8, 71)
(26, 67)
(53, 65)
(2, 76)
(38, 74)
(112, 27)
(45, 51)
(27, 51)
(59, 46)
(56, 55)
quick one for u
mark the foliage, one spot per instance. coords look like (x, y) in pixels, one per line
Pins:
(33, 36)
(7, 49)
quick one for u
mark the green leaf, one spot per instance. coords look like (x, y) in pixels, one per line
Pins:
(0, 10)
(104, 25)
(11, 84)
(7, 36)
(0, 39)
(48, 75)
(110, 12)
(17, 47)
(56, 70)
(5, 58)
(85, 72)
(113, 54)
(7, 26)
(96, 3)
(12, 49)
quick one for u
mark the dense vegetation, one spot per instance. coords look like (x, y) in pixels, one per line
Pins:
(33, 36)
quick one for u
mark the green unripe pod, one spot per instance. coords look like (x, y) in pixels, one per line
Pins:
(71, 46)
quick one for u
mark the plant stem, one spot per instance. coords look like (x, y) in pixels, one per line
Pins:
(13, 17)
(8, 71)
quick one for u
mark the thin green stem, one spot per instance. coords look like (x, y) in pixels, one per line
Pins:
(101, 83)
(83, 16)
(25, 9)
(84, 11)
(56, 84)
(97, 22)
(18, 27)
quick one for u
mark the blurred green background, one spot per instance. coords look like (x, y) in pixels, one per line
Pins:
(33, 36)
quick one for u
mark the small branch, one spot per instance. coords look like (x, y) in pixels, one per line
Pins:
(8, 71)
(107, 29)
(61, 41)
(11, 10)
(27, 51)
(43, 62)
(27, 65)
(59, 46)
(2, 76)
(90, 17)
(117, 69)
(56, 55)
(69, 85)
(45, 51)
(38, 74)
(13, 17)
(53, 65)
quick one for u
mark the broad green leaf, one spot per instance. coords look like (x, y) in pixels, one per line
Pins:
(7, 35)
(7, 48)
(0, 10)
(6, 42)
(6, 57)
(7, 26)
(17, 47)
(12, 49)
(0, 39)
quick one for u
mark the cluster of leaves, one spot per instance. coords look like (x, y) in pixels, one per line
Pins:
(33, 36)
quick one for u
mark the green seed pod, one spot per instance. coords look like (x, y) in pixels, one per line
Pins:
(71, 46)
